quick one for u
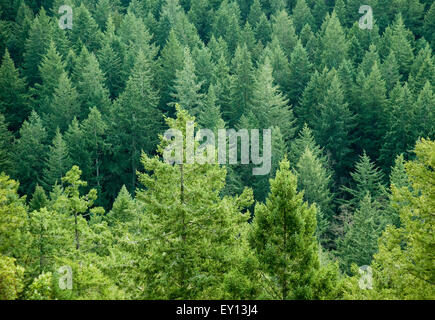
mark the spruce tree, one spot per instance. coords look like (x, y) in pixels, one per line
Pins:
(284, 30)
(300, 73)
(302, 15)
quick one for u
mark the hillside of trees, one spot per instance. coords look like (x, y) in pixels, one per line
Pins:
(84, 186)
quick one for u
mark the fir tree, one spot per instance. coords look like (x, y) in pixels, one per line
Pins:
(6, 141)
(13, 96)
(57, 162)
(284, 231)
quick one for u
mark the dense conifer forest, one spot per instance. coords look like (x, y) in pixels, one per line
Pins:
(90, 209)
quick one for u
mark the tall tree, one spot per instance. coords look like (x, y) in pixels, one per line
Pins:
(13, 95)
(283, 232)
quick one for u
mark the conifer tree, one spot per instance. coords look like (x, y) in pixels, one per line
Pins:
(268, 104)
(187, 88)
(284, 30)
(85, 31)
(39, 199)
(390, 71)
(50, 70)
(300, 73)
(91, 89)
(360, 240)
(171, 60)
(302, 15)
(333, 43)
(135, 121)
(57, 162)
(6, 141)
(63, 107)
(13, 96)
(333, 128)
(36, 46)
(304, 140)
(314, 181)
(189, 241)
(284, 231)
(29, 153)
(94, 130)
(242, 85)
(367, 179)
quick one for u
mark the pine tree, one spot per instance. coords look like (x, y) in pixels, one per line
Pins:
(210, 116)
(284, 231)
(304, 140)
(29, 153)
(227, 23)
(425, 116)
(422, 70)
(57, 162)
(390, 71)
(203, 66)
(263, 30)
(85, 31)
(255, 12)
(124, 209)
(402, 126)
(91, 89)
(187, 88)
(13, 96)
(39, 199)
(371, 115)
(94, 130)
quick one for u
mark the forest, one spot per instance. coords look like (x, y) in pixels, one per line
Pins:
(90, 209)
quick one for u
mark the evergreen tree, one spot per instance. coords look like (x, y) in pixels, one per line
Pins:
(85, 31)
(333, 128)
(135, 121)
(191, 242)
(284, 231)
(314, 181)
(333, 43)
(6, 141)
(171, 60)
(302, 15)
(187, 89)
(268, 104)
(367, 179)
(13, 96)
(242, 85)
(305, 140)
(284, 30)
(64, 106)
(29, 153)
(300, 73)
(360, 240)
(39, 199)
(57, 162)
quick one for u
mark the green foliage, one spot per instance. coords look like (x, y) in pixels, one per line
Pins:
(11, 278)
